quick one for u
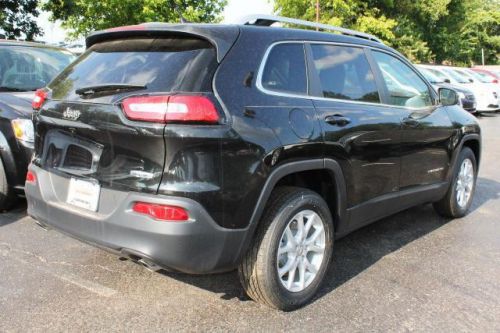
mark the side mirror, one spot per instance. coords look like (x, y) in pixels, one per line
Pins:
(447, 80)
(471, 80)
(448, 97)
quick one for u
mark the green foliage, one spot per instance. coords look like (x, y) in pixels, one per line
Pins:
(84, 16)
(451, 31)
(17, 17)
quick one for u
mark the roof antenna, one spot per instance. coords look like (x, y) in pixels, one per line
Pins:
(178, 11)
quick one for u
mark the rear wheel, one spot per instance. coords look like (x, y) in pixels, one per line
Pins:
(458, 199)
(293, 247)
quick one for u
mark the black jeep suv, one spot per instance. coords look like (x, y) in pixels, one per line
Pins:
(203, 148)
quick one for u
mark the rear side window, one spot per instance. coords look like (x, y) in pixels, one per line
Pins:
(285, 69)
(344, 73)
(160, 64)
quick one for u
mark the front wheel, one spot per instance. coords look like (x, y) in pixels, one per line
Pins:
(458, 199)
(293, 246)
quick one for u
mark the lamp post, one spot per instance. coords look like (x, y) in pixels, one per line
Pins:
(317, 13)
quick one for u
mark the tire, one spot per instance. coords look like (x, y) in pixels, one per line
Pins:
(6, 195)
(451, 206)
(259, 270)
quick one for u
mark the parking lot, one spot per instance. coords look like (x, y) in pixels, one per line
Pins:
(414, 271)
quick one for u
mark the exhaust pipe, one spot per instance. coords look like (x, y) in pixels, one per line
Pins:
(141, 259)
(150, 266)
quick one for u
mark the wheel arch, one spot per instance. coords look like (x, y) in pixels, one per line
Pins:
(291, 169)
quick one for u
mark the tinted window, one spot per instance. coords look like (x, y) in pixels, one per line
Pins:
(344, 73)
(285, 69)
(161, 64)
(30, 68)
(405, 87)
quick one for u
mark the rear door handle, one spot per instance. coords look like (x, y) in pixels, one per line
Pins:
(410, 122)
(337, 119)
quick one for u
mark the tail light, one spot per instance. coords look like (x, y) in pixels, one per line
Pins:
(39, 99)
(176, 108)
(30, 177)
(161, 212)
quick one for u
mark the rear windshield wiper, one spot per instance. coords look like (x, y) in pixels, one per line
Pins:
(110, 87)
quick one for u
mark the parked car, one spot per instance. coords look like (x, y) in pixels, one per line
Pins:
(486, 98)
(485, 83)
(24, 67)
(484, 78)
(466, 97)
(205, 148)
(489, 71)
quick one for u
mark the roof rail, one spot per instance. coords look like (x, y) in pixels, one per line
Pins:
(268, 20)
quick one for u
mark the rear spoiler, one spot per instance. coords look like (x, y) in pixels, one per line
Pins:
(222, 37)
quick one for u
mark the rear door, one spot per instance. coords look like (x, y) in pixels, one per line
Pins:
(358, 130)
(83, 131)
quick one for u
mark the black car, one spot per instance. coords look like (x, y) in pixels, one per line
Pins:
(466, 97)
(205, 148)
(24, 67)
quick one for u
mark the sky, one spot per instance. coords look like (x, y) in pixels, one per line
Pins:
(235, 8)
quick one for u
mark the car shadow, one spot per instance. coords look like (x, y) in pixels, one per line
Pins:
(359, 250)
(14, 214)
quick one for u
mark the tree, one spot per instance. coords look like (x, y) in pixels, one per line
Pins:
(452, 31)
(84, 16)
(17, 17)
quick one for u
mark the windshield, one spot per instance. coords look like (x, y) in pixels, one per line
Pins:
(481, 77)
(25, 68)
(442, 77)
(455, 75)
(431, 77)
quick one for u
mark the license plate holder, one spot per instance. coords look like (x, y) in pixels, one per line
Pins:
(84, 194)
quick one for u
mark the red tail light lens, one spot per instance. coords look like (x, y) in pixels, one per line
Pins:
(30, 177)
(161, 212)
(165, 109)
(150, 108)
(39, 99)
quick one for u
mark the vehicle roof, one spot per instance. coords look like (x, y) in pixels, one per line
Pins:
(224, 35)
(11, 42)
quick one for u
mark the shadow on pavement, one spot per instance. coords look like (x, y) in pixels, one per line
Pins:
(361, 249)
(13, 215)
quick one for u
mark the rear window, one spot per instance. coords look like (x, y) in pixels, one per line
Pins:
(159, 64)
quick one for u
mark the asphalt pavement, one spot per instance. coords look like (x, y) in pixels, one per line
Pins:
(414, 271)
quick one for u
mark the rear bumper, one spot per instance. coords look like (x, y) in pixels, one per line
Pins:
(198, 246)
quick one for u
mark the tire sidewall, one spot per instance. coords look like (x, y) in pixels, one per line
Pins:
(288, 299)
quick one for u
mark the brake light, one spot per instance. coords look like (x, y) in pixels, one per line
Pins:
(30, 177)
(161, 212)
(176, 108)
(495, 81)
(39, 99)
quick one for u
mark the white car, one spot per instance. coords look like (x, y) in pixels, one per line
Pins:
(487, 97)
(484, 79)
